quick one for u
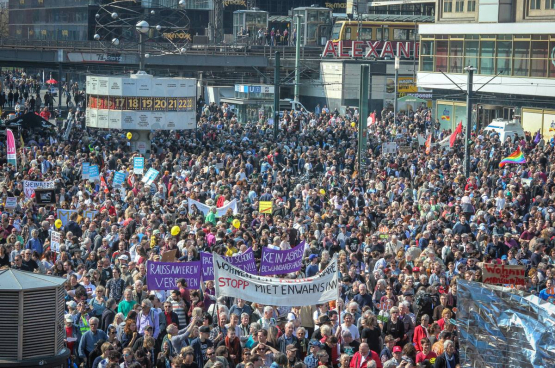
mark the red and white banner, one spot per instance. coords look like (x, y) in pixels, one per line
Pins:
(234, 282)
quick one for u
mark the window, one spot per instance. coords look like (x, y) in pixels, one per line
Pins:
(441, 55)
(535, 4)
(366, 34)
(347, 33)
(400, 34)
(447, 6)
(471, 6)
(521, 56)
(382, 34)
(456, 57)
(471, 53)
(549, 4)
(504, 52)
(426, 56)
(487, 50)
(538, 63)
(459, 6)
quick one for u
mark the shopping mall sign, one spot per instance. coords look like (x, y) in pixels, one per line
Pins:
(370, 49)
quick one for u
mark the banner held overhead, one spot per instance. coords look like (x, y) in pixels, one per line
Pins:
(234, 282)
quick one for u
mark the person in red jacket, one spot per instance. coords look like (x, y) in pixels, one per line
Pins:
(420, 332)
(45, 114)
(364, 354)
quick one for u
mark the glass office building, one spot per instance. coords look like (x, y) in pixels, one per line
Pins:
(49, 19)
(522, 55)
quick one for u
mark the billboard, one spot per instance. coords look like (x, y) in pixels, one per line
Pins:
(141, 103)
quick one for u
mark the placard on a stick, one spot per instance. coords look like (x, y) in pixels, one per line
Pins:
(169, 256)
(265, 207)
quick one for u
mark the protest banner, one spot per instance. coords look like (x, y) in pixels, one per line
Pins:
(389, 148)
(219, 212)
(64, 215)
(150, 176)
(119, 178)
(11, 202)
(236, 283)
(243, 261)
(503, 274)
(164, 275)
(277, 262)
(265, 207)
(10, 148)
(85, 166)
(30, 186)
(55, 240)
(138, 165)
(94, 173)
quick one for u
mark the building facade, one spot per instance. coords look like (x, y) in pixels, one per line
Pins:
(511, 45)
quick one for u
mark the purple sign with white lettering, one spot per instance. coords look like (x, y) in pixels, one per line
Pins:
(164, 275)
(277, 262)
(243, 261)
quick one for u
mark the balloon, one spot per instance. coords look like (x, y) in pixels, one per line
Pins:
(129, 135)
(353, 124)
(58, 223)
(175, 230)
(236, 223)
(322, 192)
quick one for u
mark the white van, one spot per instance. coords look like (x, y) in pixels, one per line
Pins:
(505, 128)
(291, 105)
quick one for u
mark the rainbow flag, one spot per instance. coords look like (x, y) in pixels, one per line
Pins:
(517, 157)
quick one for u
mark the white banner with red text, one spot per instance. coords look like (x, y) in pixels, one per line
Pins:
(234, 282)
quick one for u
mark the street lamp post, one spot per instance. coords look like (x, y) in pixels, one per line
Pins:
(397, 62)
(470, 70)
(142, 28)
(297, 56)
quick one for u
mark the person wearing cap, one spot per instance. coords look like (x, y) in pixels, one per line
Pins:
(292, 356)
(72, 334)
(312, 269)
(201, 345)
(396, 360)
(311, 360)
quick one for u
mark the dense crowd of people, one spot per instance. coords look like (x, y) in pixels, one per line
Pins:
(405, 229)
(21, 93)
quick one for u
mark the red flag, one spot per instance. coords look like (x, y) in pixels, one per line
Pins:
(104, 185)
(428, 144)
(131, 180)
(458, 130)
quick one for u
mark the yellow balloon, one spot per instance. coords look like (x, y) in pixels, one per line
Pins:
(236, 223)
(322, 192)
(176, 230)
(353, 124)
(58, 223)
(129, 135)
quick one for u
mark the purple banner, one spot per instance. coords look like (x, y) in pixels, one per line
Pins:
(164, 275)
(243, 261)
(277, 262)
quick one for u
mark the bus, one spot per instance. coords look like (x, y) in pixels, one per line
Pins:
(347, 30)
